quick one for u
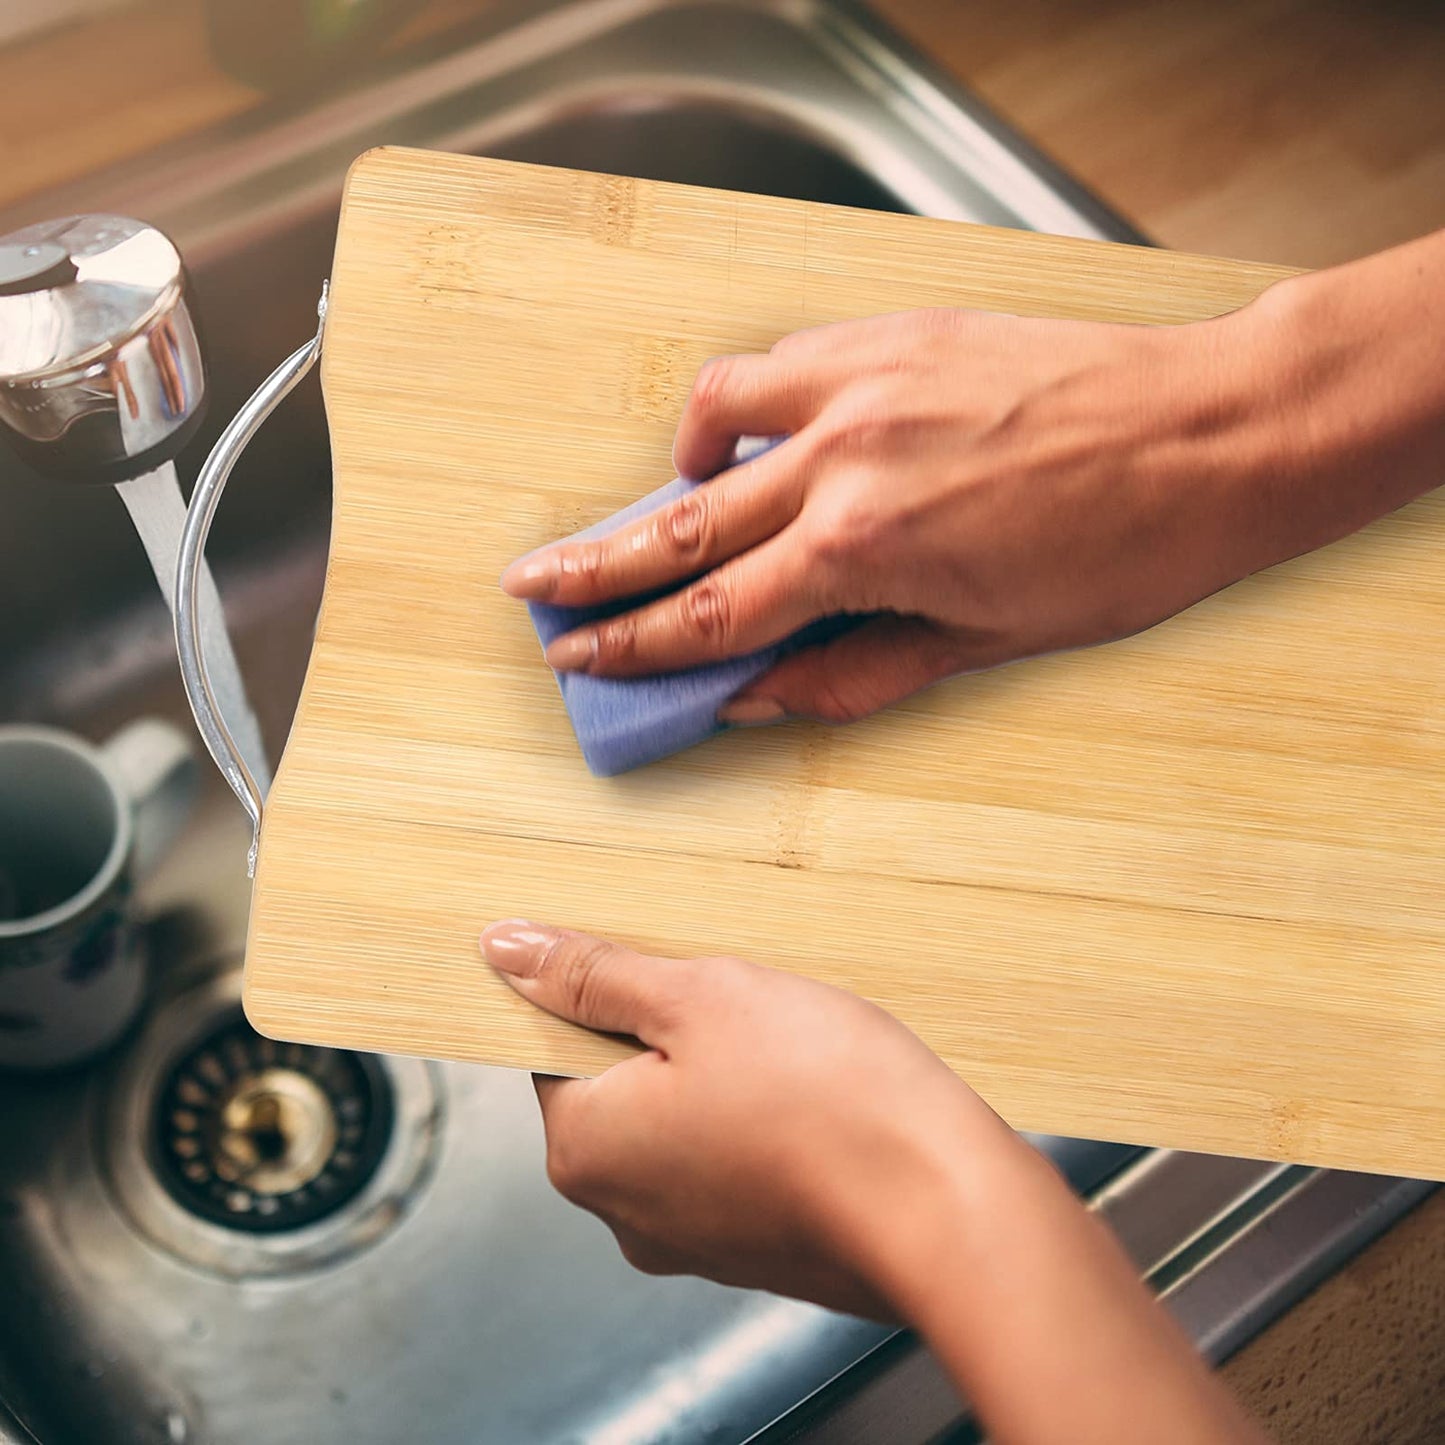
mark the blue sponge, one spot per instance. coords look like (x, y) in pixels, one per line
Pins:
(622, 723)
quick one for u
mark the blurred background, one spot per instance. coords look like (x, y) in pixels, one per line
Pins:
(1272, 130)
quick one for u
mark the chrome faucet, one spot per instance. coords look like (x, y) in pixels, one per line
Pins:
(101, 375)
(102, 380)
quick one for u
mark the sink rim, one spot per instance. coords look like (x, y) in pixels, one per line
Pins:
(177, 183)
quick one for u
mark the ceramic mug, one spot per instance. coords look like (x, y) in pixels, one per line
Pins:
(79, 826)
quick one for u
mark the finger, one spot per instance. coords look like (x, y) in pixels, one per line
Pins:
(736, 510)
(750, 602)
(589, 980)
(858, 673)
(737, 396)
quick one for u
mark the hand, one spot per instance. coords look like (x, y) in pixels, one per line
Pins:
(775, 1134)
(779, 1134)
(998, 487)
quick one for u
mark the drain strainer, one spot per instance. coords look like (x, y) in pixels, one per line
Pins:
(252, 1158)
(261, 1136)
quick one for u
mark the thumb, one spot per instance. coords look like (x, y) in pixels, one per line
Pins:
(858, 673)
(585, 979)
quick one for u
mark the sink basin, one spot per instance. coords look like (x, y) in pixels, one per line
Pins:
(450, 1295)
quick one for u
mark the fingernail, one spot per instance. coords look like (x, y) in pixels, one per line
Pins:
(517, 947)
(750, 712)
(573, 652)
(533, 578)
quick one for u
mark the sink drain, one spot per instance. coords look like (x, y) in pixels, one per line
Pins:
(252, 1158)
(261, 1136)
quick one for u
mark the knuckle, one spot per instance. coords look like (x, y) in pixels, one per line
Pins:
(831, 550)
(806, 342)
(834, 702)
(804, 338)
(580, 965)
(810, 453)
(714, 379)
(863, 520)
(869, 423)
(617, 639)
(691, 527)
(842, 534)
(827, 439)
(708, 610)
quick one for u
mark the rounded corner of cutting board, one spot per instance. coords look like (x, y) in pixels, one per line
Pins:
(378, 159)
(256, 1008)
(256, 967)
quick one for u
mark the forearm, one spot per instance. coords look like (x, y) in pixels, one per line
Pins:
(1040, 1318)
(1342, 401)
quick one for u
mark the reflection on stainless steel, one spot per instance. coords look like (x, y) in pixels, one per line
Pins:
(1208, 1188)
(1292, 1242)
(100, 367)
(456, 1297)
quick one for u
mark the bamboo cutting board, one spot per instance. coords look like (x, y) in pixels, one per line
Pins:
(1185, 889)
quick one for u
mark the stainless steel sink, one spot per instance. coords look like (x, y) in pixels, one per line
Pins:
(453, 1297)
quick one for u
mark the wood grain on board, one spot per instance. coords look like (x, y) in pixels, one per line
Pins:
(1180, 890)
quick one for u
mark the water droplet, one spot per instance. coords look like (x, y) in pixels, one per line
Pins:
(178, 1428)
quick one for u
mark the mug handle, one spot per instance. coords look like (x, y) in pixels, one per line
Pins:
(158, 770)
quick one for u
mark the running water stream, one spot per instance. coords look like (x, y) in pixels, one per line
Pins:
(158, 511)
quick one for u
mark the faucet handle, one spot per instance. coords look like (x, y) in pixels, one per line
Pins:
(34, 266)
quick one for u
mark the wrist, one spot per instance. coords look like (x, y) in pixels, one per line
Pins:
(947, 1193)
(1346, 408)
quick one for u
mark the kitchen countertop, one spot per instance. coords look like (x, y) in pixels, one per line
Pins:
(1362, 1359)
(1271, 130)
(1276, 130)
